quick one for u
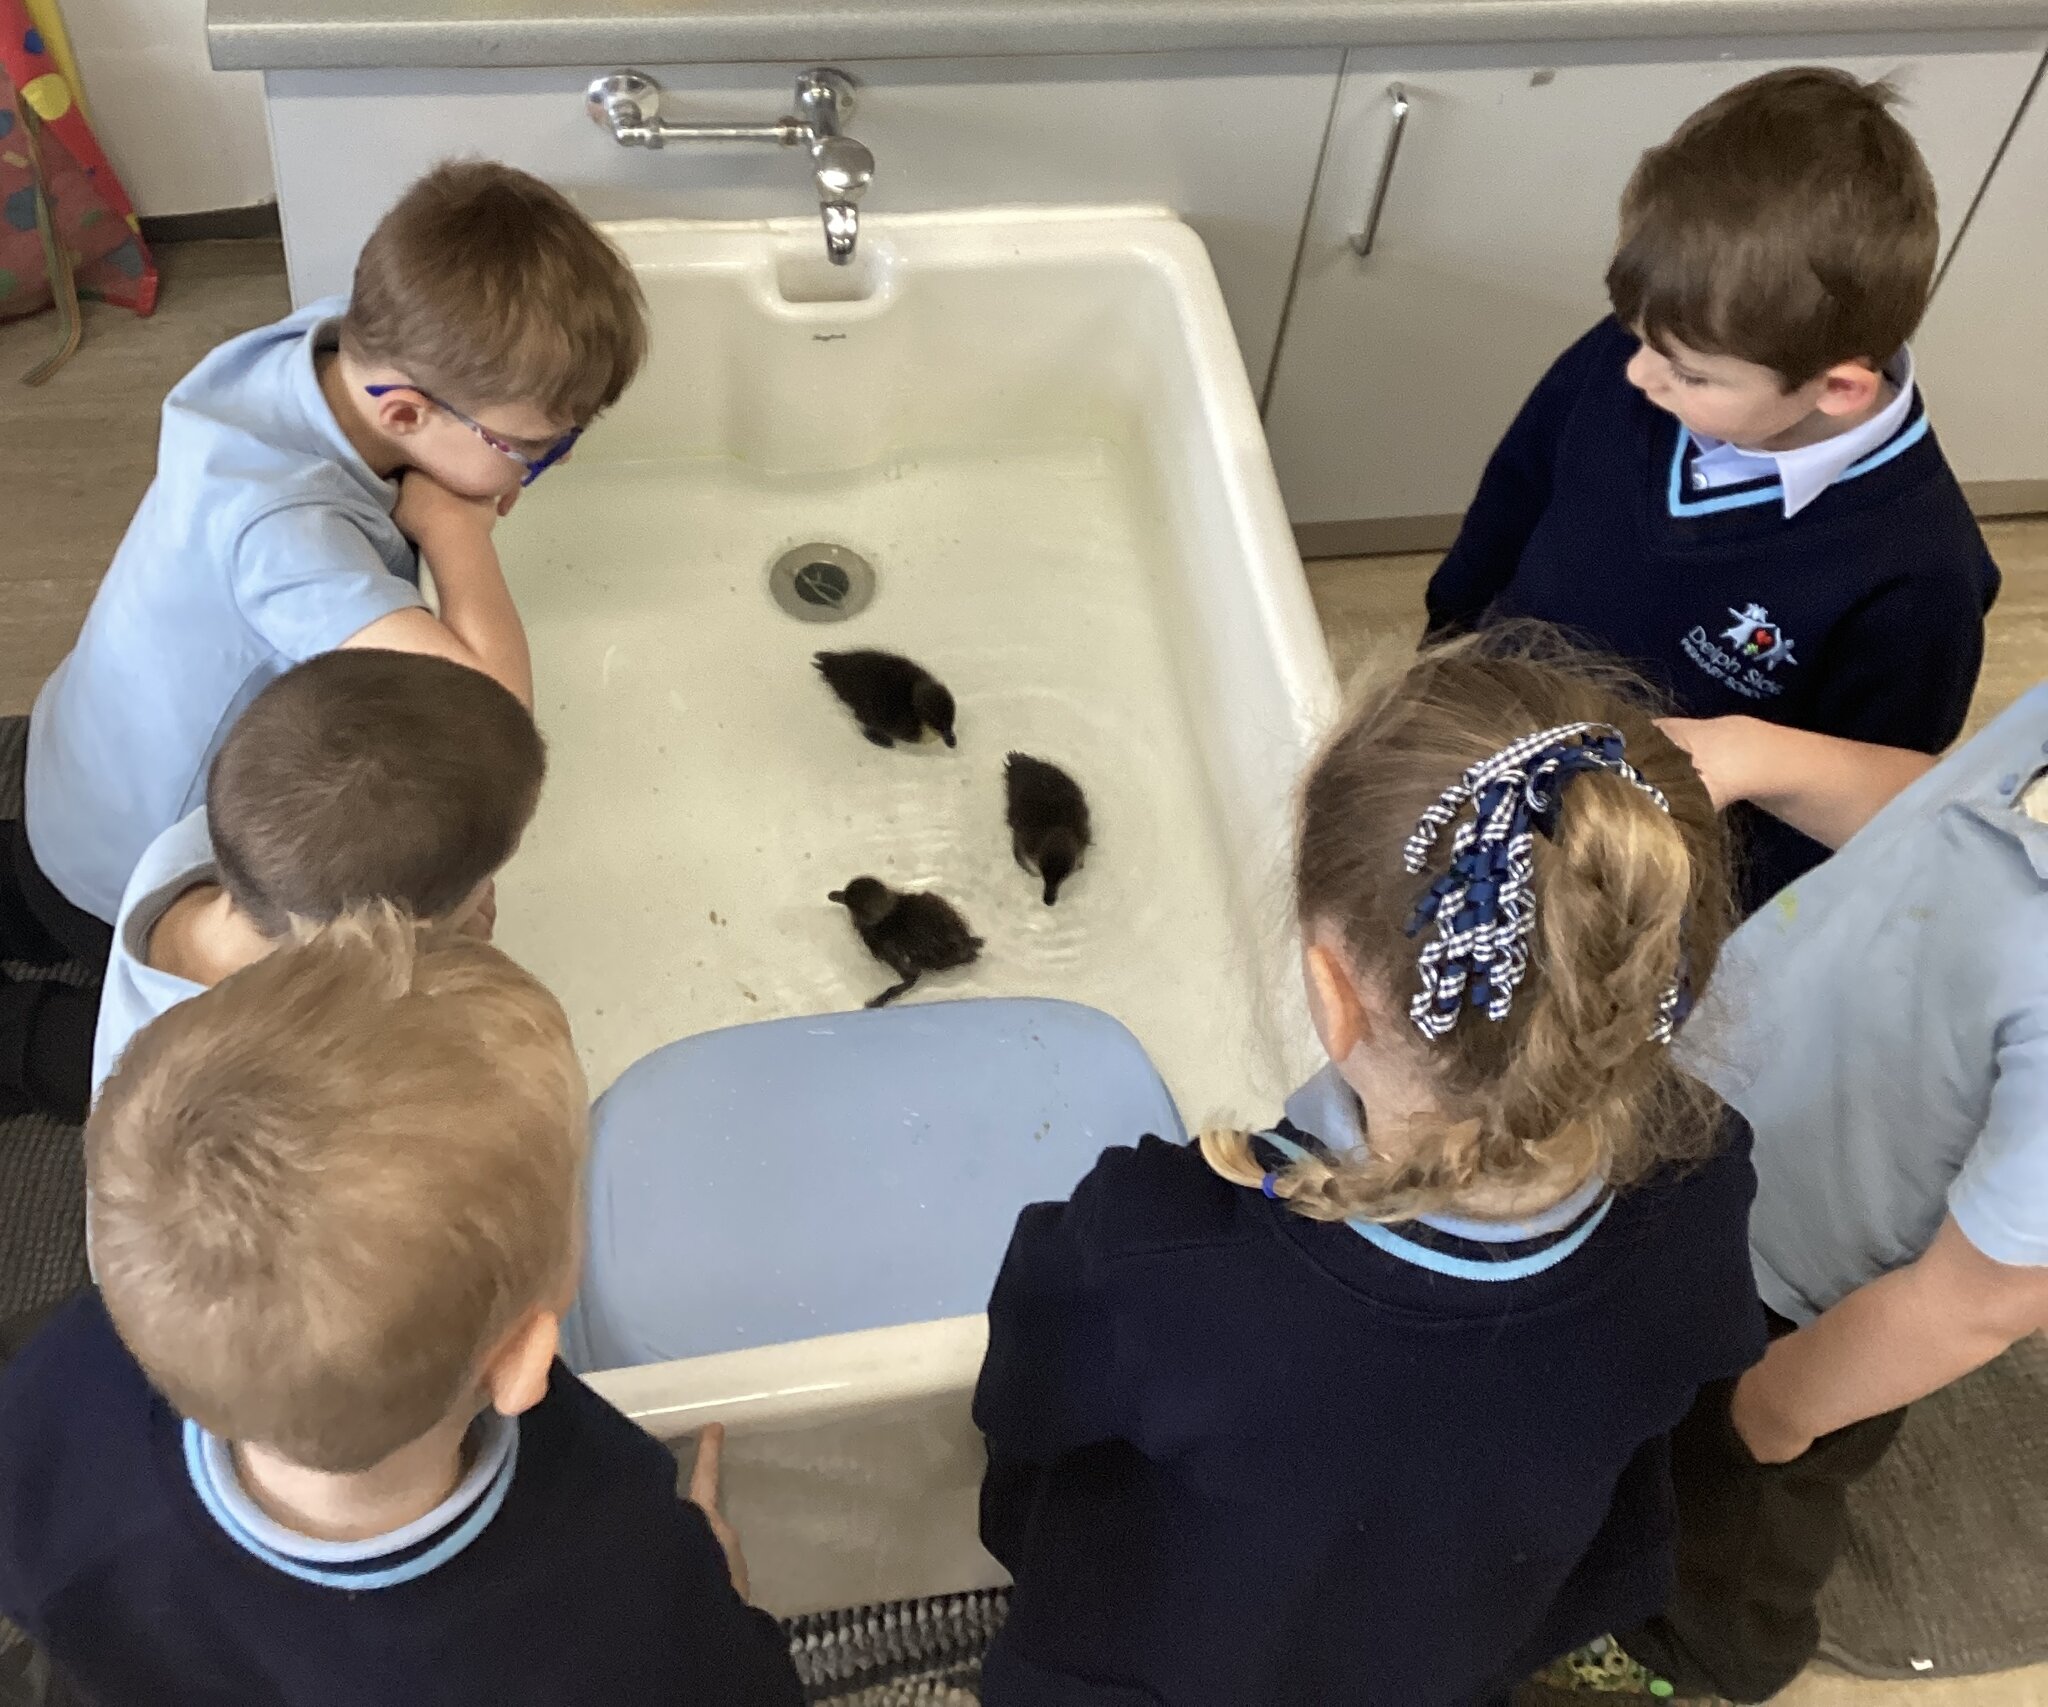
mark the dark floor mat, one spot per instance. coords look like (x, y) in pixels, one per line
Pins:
(42, 1169)
(42, 1212)
(1947, 1569)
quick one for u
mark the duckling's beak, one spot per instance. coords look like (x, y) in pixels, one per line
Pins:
(838, 895)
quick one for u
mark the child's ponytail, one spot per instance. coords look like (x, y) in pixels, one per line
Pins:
(1587, 1081)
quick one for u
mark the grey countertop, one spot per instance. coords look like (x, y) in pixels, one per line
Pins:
(331, 34)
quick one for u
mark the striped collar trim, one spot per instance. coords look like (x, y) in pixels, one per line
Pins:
(1773, 491)
(1325, 1114)
(379, 1561)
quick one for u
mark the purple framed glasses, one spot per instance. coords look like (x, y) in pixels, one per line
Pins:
(535, 466)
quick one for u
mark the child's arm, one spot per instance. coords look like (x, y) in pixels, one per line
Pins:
(1823, 786)
(736, 1652)
(1513, 494)
(704, 1496)
(478, 625)
(1980, 1285)
(1896, 1340)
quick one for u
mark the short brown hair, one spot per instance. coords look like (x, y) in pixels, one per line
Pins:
(485, 286)
(1569, 1083)
(324, 1190)
(366, 775)
(1790, 223)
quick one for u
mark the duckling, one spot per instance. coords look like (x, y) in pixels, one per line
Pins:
(910, 932)
(890, 697)
(1048, 820)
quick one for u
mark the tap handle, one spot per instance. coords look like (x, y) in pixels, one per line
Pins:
(844, 168)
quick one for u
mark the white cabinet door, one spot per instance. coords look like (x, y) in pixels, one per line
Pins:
(1399, 369)
(1983, 353)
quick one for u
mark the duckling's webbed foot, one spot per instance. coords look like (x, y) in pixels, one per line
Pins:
(890, 994)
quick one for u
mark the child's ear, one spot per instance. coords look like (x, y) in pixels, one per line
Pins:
(401, 413)
(516, 1375)
(1848, 388)
(1334, 1003)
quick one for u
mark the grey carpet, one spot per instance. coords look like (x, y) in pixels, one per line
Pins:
(42, 1169)
(1946, 1573)
(1947, 1568)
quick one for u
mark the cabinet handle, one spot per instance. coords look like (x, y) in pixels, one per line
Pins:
(1361, 241)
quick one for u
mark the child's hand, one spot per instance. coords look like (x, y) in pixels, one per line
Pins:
(704, 1496)
(429, 514)
(1722, 749)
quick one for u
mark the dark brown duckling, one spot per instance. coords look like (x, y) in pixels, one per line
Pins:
(910, 932)
(890, 697)
(1049, 830)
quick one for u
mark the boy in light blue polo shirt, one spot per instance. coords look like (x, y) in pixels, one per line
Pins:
(298, 469)
(360, 775)
(1883, 1027)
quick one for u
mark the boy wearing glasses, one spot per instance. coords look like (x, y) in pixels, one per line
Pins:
(303, 472)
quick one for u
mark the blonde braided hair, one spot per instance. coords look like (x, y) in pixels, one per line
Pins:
(1569, 1082)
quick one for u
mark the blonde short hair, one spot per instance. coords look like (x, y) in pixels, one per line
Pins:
(486, 286)
(324, 1190)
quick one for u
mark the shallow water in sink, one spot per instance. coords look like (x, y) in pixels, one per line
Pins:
(706, 789)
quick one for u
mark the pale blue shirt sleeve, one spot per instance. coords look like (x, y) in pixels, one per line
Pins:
(133, 992)
(2000, 1199)
(307, 579)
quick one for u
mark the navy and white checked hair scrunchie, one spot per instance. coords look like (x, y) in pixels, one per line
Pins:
(1484, 906)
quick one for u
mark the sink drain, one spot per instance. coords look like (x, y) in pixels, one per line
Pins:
(822, 582)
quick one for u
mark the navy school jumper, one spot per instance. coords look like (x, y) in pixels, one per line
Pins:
(1862, 616)
(1242, 1459)
(591, 1582)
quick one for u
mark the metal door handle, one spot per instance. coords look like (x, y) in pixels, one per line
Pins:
(1361, 241)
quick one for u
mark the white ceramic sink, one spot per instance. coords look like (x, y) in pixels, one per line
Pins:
(1036, 427)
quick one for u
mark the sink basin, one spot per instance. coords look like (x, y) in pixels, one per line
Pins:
(1035, 429)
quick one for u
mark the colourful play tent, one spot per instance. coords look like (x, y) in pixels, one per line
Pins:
(66, 229)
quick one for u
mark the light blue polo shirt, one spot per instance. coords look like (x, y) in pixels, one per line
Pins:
(1883, 1025)
(135, 992)
(263, 540)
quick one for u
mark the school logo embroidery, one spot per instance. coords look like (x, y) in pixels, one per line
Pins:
(1758, 638)
(1748, 663)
